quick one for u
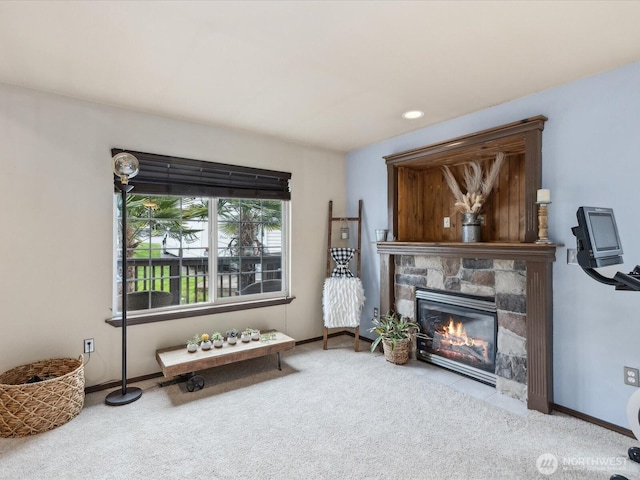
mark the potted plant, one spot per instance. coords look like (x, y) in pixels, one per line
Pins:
(218, 339)
(255, 333)
(245, 336)
(232, 336)
(265, 337)
(394, 331)
(192, 344)
(206, 341)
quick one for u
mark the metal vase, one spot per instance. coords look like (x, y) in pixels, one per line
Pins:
(471, 228)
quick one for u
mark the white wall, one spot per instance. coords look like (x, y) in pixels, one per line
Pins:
(57, 228)
(591, 156)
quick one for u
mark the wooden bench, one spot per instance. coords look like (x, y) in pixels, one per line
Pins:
(177, 360)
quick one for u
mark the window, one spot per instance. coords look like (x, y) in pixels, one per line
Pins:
(249, 246)
(189, 252)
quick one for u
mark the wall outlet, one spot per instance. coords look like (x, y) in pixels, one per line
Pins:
(375, 313)
(89, 345)
(447, 222)
(631, 376)
(572, 256)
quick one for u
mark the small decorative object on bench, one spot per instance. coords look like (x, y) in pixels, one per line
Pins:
(218, 340)
(395, 334)
(255, 334)
(265, 337)
(29, 408)
(245, 336)
(206, 342)
(192, 344)
(232, 336)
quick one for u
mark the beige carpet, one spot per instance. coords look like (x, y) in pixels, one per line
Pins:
(333, 414)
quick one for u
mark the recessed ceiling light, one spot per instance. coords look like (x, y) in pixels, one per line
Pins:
(413, 114)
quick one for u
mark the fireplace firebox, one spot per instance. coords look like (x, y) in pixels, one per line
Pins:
(458, 332)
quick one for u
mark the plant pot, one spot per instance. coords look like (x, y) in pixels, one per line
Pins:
(192, 347)
(206, 345)
(218, 343)
(245, 337)
(255, 336)
(232, 340)
(398, 355)
(381, 235)
(471, 228)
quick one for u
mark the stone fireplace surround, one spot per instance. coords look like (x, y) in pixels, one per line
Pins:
(520, 277)
(503, 279)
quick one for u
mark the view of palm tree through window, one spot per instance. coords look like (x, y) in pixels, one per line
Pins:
(169, 241)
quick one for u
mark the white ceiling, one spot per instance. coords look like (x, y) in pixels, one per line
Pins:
(332, 74)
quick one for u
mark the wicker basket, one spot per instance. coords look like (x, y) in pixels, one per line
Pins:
(398, 355)
(30, 408)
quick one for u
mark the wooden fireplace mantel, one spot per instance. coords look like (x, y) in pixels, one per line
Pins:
(419, 202)
(539, 293)
(499, 250)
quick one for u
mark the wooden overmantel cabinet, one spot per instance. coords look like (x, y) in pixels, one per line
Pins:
(419, 198)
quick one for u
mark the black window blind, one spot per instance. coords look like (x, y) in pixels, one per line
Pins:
(166, 175)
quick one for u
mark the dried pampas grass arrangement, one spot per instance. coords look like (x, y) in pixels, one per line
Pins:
(478, 186)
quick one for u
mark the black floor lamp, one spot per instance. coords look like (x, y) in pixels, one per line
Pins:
(125, 166)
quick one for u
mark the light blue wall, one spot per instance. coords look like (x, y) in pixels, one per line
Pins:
(591, 156)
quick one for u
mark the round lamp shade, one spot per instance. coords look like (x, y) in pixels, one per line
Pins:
(125, 166)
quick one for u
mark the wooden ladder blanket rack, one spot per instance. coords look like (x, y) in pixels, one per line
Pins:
(358, 249)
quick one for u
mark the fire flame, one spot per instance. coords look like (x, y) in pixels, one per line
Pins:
(454, 338)
(457, 335)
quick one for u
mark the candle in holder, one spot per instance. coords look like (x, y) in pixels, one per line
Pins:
(544, 196)
(543, 200)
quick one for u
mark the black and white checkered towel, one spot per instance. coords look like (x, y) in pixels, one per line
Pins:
(342, 257)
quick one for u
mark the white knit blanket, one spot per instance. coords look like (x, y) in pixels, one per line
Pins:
(342, 302)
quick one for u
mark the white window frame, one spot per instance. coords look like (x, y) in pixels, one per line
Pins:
(227, 303)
